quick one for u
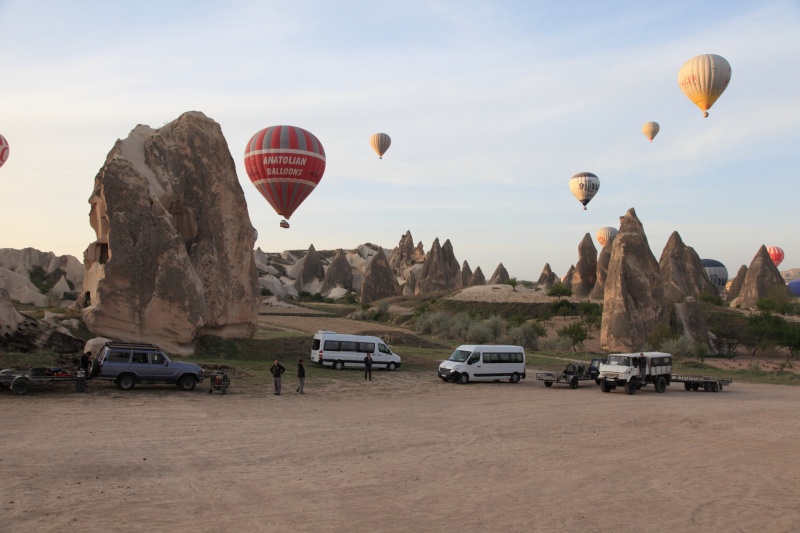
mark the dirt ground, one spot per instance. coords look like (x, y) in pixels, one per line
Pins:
(404, 452)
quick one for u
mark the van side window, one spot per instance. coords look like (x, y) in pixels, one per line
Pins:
(383, 348)
(474, 358)
(366, 347)
(315, 344)
(331, 346)
(157, 358)
(139, 358)
(119, 357)
(347, 346)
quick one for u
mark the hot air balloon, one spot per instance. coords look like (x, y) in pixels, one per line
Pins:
(604, 235)
(380, 143)
(716, 271)
(703, 79)
(3, 150)
(794, 288)
(584, 185)
(776, 254)
(650, 130)
(285, 163)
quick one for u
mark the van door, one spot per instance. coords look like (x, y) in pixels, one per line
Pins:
(474, 365)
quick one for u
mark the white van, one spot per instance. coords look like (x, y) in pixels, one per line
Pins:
(484, 362)
(340, 350)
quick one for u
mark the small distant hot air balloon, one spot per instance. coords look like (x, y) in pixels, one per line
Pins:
(285, 163)
(716, 271)
(650, 130)
(776, 254)
(794, 288)
(703, 79)
(604, 235)
(584, 185)
(380, 143)
(3, 150)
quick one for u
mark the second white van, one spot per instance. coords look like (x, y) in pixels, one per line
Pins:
(340, 350)
(484, 362)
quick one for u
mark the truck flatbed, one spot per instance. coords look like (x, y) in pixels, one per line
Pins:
(21, 381)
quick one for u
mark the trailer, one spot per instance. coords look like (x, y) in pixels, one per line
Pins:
(573, 374)
(705, 383)
(22, 381)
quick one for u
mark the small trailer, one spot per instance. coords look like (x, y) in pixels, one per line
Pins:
(706, 383)
(21, 381)
(572, 374)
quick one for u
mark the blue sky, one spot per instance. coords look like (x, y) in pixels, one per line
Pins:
(491, 107)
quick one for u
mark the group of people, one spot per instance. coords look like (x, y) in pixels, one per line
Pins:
(278, 369)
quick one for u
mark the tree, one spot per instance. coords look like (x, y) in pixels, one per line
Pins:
(558, 290)
(764, 330)
(513, 283)
(575, 332)
(791, 340)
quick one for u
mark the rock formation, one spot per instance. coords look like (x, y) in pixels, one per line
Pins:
(311, 273)
(405, 254)
(598, 291)
(736, 284)
(634, 292)
(21, 333)
(437, 272)
(687, 320)
(547, 278)
(682, 271)
(567, 279)
(477, 278)
(500, 275)
(451, 263)
(173, 256)
(466, 274)
(762, 277)
(338, 274)
(585, 275)
(379, 280)
(46, 264)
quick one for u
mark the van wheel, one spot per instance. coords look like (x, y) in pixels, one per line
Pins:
(463, 378)
(187, 383)
(514, 378)
(573, 383)
(125, 382)
(661, 384)
(390, 367)
(338, 365)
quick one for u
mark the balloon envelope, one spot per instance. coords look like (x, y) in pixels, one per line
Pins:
(716, 271)
(776, 254)
(380, 143)
(285, 163)
(603, 235)
(3, 150)
(794, 288)
(703, 79)
(584, 185)
(650, 130)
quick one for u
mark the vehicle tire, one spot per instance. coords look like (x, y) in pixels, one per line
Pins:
(390, 367)
(463, 378)
(443, 379)
(715, 387)
(514, 378)
(661, 384)
(598, 381)
(21, 387)
(695, 386)
(338, 365)
(548, 383)
(687, 386)
(707, 387)
(187, 383)
(720, 387)
(573, 383)
(605, 387)
(210, 391)
(125, 382)
(631, 387)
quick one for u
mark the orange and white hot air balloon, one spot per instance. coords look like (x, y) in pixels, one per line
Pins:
(650, 130)
(3, 150)
(604, 235)
(776, 254)
(380, 143)
(703, 79)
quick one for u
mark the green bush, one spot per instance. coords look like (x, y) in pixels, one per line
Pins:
(265, 292)
(558, 290)
(479, 333)
(680, 347)
(659, 335)
(576, 333)
(526, 335)
(712, 299)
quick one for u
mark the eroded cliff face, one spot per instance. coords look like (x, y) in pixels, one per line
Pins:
(173, 255)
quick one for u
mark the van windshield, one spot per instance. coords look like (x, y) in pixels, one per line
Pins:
(459, 356)
(619, 360)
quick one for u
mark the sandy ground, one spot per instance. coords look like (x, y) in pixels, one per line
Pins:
(404, 452)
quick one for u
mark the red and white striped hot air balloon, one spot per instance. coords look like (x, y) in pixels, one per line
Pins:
(776, 254)
(285, 163)
(3, 150)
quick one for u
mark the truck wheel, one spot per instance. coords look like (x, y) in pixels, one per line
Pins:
(390, 367)
(605, 387)
(715, 387)
(598, 381)
(687, 386)
(514, 378)
(21, 387)
(125, 382)
(695, 386)
(661, 384)
(631, 386)
(548, 383)
(573, 383)
(707, 387)
(463, 378)
(187, 383)
(338, 365)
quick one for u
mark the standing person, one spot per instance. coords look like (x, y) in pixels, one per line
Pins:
(277, 370)
(368, 367)
(301, 376)
(85, 364)
(643, 366)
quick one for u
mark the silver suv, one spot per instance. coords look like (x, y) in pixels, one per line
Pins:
(129, 363)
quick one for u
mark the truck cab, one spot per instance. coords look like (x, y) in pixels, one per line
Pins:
(626, 370)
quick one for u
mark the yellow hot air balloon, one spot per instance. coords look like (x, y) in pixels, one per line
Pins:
(650, 130)
(605, 234)
(703, 79)
(380, 143)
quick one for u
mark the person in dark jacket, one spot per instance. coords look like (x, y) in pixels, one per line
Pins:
(643, 366)
(276, 371)
(368, 367)
(301, 375)
(84, 365)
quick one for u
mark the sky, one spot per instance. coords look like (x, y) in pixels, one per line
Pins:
(491, 107)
